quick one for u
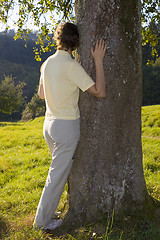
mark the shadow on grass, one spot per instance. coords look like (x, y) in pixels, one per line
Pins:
(3, 226)
(9, 124)
(127, 229)
(144, 225)
(131, 227)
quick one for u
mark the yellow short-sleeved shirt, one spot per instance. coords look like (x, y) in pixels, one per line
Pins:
(62, 77)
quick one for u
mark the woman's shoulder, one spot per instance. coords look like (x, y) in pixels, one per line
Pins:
(50, 58)
(75, 63)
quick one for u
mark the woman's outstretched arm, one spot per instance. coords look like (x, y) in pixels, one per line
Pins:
(99, 89)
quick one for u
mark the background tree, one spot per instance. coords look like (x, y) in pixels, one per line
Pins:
(35, 108)
(11, 98)
(150, 25)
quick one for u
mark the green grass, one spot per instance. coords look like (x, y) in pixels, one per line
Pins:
(151, 148)
(24, 164)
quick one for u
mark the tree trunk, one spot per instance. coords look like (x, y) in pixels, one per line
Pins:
(107, 171)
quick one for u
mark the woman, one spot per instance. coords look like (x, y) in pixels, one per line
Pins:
(60, 81)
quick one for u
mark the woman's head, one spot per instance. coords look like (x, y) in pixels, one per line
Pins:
(67, 36)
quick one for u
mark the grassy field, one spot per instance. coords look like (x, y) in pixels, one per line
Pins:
(24, 164)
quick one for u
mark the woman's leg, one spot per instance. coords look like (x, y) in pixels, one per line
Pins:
(64, 135)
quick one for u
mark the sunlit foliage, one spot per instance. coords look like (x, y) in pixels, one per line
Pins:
(46, 14)
(11, 98)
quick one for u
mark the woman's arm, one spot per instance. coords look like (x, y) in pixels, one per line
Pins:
(99, 89)
(41, 91)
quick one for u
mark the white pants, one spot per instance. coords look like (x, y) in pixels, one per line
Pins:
(62, 137)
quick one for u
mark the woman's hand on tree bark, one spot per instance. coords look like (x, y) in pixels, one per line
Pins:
(99, 51)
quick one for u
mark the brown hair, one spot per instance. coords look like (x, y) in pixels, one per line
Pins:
(67, 36)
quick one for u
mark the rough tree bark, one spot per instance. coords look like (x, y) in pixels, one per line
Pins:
(107, 171)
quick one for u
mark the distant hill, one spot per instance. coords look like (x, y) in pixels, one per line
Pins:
(18, 61)
(151, 78)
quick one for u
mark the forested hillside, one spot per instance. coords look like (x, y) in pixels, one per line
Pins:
(18, 61)
(151, 78)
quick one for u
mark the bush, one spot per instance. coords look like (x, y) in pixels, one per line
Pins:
(35, 108)
(11, 95)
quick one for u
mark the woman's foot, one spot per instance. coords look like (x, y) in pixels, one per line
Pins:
(53, 224)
